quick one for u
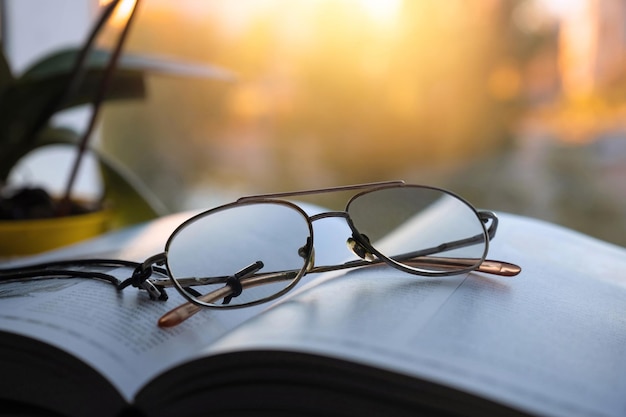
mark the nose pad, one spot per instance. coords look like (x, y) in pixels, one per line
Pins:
(359, 249)
(308, 252)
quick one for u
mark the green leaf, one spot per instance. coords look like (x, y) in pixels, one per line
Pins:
(62, 62)
(27, 99)
(57, 135)
(175, 67)
(28, 102)
(132, 201)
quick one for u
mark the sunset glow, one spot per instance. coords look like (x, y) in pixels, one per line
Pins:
(382, 12)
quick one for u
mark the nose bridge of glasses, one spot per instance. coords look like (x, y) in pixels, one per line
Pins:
(357, 243)
(327, 214)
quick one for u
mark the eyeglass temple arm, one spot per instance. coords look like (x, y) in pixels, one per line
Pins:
(488, 266)
(234, 285)
(485, 216)
(188, 309)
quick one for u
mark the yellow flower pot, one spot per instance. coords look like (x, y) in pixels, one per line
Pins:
(27, 237)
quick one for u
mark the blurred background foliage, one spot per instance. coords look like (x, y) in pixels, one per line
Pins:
(518, 105)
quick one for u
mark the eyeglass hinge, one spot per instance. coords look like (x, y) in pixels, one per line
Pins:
(485, 217)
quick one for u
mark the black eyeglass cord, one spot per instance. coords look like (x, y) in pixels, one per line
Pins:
(139, 279)
(234, 283)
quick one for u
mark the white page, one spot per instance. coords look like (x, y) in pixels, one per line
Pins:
(116, 332)
(551, 340)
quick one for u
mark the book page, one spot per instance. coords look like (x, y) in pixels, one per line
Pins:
(550, 341)
(116, 332)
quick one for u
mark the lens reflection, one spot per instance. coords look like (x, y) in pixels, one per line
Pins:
(441, 231)
(248, 240)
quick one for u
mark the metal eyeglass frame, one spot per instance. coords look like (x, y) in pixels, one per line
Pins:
(154, 275)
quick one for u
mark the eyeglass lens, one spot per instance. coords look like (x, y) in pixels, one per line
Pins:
(224, 242)
(413, 219)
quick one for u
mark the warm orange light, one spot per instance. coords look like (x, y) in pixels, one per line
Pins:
(381, 11)
(504, 82)
(248, 102)
(122, 11)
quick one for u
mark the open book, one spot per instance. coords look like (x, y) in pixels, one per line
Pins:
(371, 341)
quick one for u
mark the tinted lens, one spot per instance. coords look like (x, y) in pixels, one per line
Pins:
(230, 240)
(421, 229)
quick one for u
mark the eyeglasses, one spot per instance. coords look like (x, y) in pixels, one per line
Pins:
(257, 248)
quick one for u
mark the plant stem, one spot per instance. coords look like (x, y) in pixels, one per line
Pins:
(64, 205)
